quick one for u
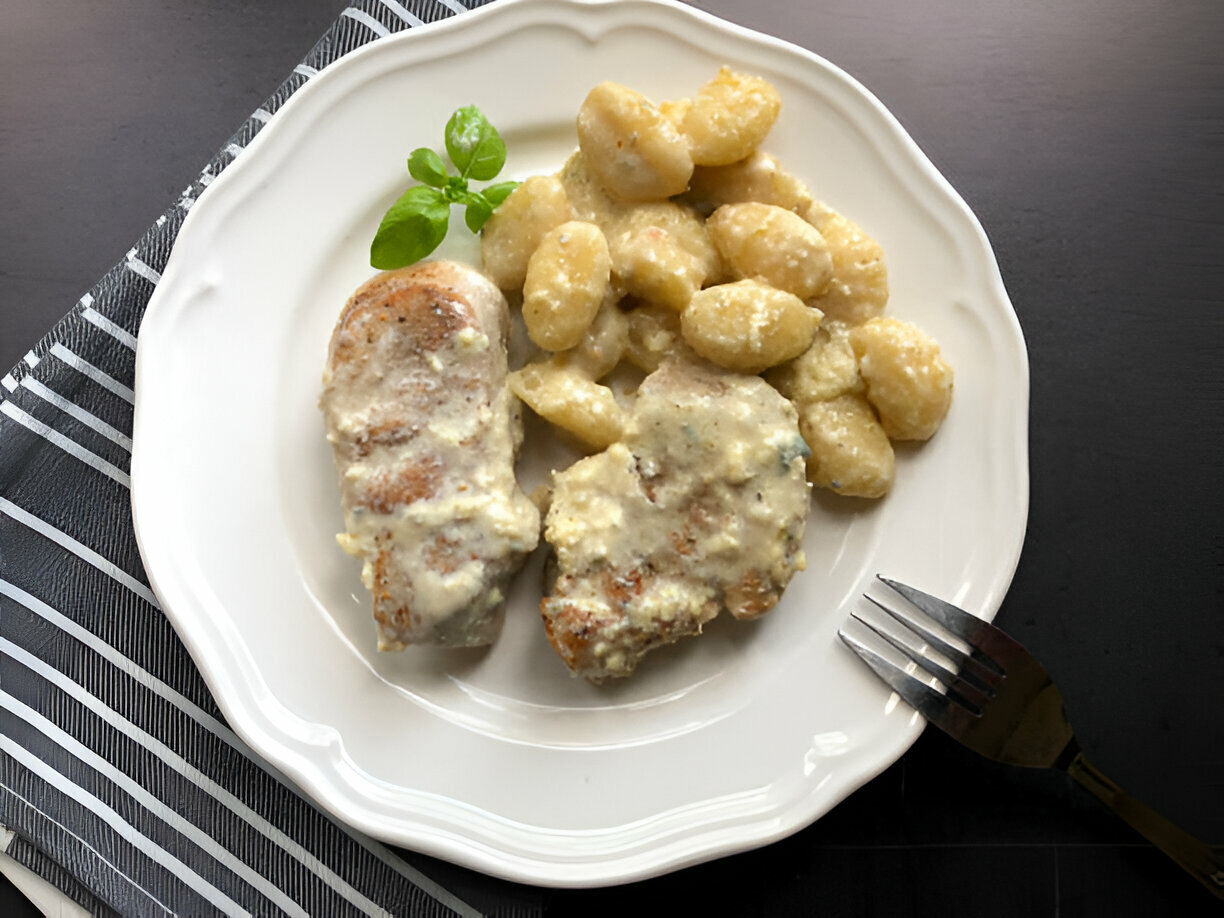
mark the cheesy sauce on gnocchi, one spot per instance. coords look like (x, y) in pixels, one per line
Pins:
(714, 251)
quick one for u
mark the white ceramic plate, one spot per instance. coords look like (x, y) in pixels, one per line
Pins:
(498, 759)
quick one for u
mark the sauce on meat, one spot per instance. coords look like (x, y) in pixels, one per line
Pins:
(424, 433)
(700, 507)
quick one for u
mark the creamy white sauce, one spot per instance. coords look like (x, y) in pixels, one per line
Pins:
(432, 508)
(705, 494)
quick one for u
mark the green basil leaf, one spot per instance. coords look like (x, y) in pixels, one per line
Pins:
(426, 166)
(495, 194)
(477, 212)
(414, 226)
(474, 145)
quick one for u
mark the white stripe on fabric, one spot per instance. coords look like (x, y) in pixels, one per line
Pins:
(222, 732)
(97, 424)
(120, 779)
(366, 20)
(454, 6)
(67, 444)
(122, 826)
(90, 848)
(305, 70)
(9, 383)
(123, 663)
(140, 268)
(233, 149)
(440, 894)
(122, 335)
(191, 773)
(262, 115)
(88, 555)
(31, 359)
(99, 376)
(399, 10)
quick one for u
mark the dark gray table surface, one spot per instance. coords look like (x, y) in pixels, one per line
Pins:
(1088, 136)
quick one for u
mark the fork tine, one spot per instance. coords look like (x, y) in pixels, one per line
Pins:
(989, 669)
(954, 683)
(955, 619)
(970, 628)
(918, 695)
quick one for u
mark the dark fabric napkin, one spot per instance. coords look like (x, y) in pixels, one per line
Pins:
(120, 782)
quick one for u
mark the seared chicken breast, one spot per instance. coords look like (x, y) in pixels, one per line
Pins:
(424, 433)
(701, 507)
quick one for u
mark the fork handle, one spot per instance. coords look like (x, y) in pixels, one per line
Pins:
(1191, 854)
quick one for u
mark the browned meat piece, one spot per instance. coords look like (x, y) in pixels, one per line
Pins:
(424, 433)
(700, 508)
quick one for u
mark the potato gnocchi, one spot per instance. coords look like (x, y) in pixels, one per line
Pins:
(567, 280)
(670, 233)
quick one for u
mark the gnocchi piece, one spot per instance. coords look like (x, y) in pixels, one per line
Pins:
(859, 288)
(567, 279)
(682, 222)
(674, 111)
(517, 226)
(851, 453)
(757, 178)
(772, 244)
(652, 265)
(729, 117)
(827, 369)
(565, 398)
(748, 326)
(654, 334)
(634, 152)
(604, 343)
(661, 252)
(587, 199)
(907, 380)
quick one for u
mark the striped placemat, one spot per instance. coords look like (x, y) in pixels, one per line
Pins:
(120, 782)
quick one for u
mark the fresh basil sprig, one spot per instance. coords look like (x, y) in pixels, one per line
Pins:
(416, 224)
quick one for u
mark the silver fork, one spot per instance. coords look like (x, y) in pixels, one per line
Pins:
(1001, 703)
